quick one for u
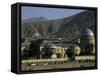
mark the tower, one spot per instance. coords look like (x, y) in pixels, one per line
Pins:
(87, 42)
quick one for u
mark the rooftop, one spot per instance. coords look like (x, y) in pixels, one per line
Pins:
(87, 32)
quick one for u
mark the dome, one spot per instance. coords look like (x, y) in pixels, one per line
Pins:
(87, 32)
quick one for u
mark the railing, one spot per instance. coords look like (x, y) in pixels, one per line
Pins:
(85, 58)
(44, 60)
(77, 58)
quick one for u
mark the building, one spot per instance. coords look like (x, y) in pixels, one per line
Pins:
(59, 49)
(56, 48)
(76, 49)
(25, 45)
(87, 41)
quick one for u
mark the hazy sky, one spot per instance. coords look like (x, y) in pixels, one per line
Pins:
(49, 13)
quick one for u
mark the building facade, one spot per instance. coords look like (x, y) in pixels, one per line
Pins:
(87, 41)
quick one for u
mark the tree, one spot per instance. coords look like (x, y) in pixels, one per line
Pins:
(88, 50)
(46, 52)
(34, 49)
(22, 40)
(70, 53)
(25, 54)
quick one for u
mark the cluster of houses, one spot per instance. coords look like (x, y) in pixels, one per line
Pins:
(86, 43)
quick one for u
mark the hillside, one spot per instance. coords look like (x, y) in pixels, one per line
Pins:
(34, 19)
(68, 28)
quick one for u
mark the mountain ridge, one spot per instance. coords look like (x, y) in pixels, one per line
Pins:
(68, 28)
(34, 19)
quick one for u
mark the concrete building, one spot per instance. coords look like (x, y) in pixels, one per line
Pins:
(56, 48)
(59, 49)
(87, 41)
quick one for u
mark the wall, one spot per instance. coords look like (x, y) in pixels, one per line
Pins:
(5, 42)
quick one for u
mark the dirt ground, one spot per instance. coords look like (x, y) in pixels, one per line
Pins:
(27, 67)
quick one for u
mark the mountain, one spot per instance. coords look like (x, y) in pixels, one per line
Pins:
(68, 28)
(74, 25)
(34, 19)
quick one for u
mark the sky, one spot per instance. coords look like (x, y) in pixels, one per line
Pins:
(50, 13)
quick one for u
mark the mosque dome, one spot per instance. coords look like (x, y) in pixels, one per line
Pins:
(87, 32)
